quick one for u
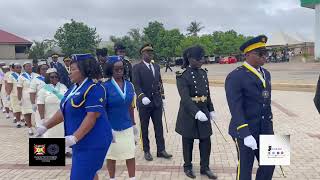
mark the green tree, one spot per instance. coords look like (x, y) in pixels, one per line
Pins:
(168, 41)
(152, 31)
(194, 28)
(77, 37)
(41, 49)
(227, 43)
(133, 41)
(165, 42)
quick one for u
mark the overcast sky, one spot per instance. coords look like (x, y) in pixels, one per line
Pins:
(39, 19)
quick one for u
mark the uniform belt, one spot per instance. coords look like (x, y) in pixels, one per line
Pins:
(199, 99)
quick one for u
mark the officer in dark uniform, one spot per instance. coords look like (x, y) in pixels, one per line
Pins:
(147, 82)
(195, 111)
(120, 50)
(63, 73)
(248, 91)
(316, 99)
(102, 56)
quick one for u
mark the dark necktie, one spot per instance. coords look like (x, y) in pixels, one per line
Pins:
(151, 69)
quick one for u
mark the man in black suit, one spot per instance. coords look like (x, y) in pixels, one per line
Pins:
(148, 86)
(63, 73)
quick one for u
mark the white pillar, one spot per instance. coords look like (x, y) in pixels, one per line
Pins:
(317, 33)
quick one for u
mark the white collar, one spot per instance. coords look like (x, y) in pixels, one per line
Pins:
(147, 63)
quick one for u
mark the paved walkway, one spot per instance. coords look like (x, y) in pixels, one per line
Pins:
(294, 114)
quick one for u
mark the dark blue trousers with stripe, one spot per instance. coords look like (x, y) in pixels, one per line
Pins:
(245, 163)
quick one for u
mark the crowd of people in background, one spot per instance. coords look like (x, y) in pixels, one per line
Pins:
(90, 100)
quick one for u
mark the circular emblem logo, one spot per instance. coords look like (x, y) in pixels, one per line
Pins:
(53, 149)
(266, 94)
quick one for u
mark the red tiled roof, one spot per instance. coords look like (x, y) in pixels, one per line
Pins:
(8, 38)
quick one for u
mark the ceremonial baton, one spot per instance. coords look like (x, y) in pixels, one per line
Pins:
(282, 172)
(219, 130)
(165, 118)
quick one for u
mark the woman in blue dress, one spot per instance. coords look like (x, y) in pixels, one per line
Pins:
(120, 111)
(87, 130)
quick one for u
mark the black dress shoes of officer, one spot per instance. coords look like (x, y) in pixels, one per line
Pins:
(164, 154)
(189, 173)
(208, 173)
(148, 156)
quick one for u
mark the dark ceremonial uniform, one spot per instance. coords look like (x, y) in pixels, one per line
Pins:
(194, 91)
(148, 84)
(127, 69)
(316, 99)
(248, 92)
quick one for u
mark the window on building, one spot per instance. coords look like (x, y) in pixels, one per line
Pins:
(21, 49)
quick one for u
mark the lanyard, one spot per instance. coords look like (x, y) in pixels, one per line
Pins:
(254, 71)
(74, 91)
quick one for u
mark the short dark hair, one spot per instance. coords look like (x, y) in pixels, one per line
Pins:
(39, 67)
(109, 69)
(102, 52)
(195, 52)
(47, 78)
(118, 46)
(89, 68)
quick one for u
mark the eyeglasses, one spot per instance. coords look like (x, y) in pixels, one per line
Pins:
(261, 52)
(54, 77)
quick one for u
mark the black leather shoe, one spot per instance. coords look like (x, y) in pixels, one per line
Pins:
(190, 173)
(209, 173)
(164, 154)
(148, 156)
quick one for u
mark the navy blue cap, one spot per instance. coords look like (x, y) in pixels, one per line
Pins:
(81, 57)
(254, 43)
(114, 59)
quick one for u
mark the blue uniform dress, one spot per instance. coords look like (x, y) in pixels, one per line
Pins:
(119, 102)
(89, 153)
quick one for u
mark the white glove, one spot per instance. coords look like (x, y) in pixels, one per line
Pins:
(41, 129)
(201, 116)
(113, 137)
(146, 101)
(34, 107)
(135, 131)
(70, 140)
(212, 116)
(250, 142)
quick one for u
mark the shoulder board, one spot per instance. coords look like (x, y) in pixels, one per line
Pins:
(178, 73)
(128, 60)
(205, 70)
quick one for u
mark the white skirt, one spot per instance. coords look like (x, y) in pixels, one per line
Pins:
(124, 147)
